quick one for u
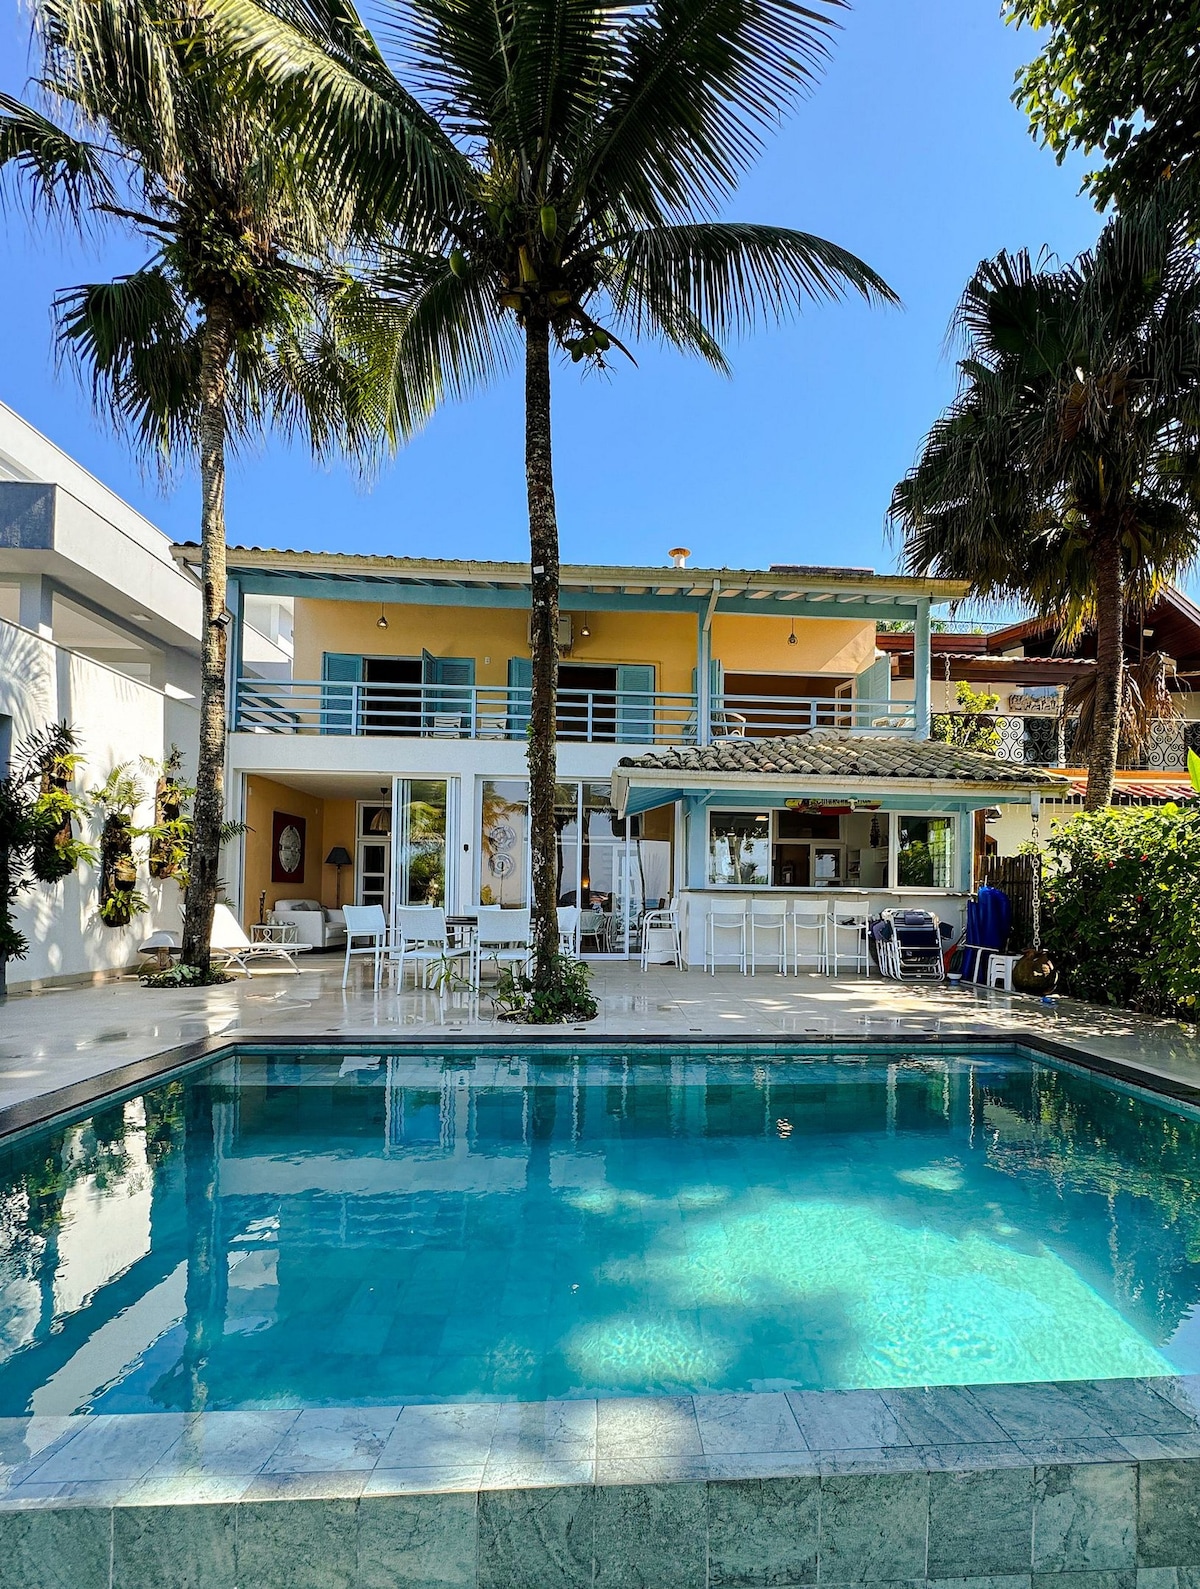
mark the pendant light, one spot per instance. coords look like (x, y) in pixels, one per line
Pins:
(381, 622)
(792, 636)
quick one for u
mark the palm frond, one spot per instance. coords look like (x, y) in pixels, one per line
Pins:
(1146, 702)
(369, 139)
(133, 340)
(729, 276)
(693, 85)
(58, 171)
(454, 340)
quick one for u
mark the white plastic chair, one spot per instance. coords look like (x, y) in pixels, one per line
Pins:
(419, 936)
(502, 937)
(593, 924)
(366, 934)
(810, 933)
(664, 925)
(568, 929)
(769, 918)
(727, 916)
(848, 923)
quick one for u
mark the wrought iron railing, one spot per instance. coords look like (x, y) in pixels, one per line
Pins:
(1047, 740)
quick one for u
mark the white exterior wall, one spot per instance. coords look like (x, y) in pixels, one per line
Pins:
(118, 719)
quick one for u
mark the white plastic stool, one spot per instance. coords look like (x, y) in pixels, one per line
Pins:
(1000, 970)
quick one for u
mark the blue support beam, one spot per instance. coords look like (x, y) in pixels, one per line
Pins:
(922, 658)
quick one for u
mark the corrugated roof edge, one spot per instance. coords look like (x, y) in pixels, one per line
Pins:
(598, 573)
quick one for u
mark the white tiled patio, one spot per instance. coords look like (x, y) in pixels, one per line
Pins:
(54, 1039)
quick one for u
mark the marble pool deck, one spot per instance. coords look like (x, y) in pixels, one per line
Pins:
(1080, 1485)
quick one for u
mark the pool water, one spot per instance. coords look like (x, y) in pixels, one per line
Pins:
(316, 1227)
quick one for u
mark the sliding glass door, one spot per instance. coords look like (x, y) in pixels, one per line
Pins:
(612, 870)
(422, 847)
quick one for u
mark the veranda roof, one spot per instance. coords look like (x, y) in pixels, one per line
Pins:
(826, 763)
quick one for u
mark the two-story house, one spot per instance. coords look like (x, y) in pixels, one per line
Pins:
(717, 729)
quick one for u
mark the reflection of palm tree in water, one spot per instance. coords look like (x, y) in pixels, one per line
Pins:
(206, 1265)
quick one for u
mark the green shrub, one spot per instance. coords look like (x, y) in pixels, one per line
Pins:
(972, 724)
(568, 998)
(1121, 902)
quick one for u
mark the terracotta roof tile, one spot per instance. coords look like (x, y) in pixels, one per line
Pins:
(827, 752)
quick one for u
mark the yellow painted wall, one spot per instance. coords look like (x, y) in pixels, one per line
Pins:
(263, 798)
(743, 643)
(340, 817)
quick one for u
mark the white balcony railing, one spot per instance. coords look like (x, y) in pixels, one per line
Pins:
(626, 717)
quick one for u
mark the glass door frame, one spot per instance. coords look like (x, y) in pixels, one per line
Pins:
(623, 858)
(401, 788)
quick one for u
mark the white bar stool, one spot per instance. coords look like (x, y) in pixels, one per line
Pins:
(841, 923)
(769, 916)
(1000, 970)
(729, 917)
(811, 926)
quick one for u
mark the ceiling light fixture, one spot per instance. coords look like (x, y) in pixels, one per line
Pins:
(792, 636)
(586, 629)
(381, 622)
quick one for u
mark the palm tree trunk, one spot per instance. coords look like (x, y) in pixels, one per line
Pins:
(1110, 674)
(543, 560)
(208, 808)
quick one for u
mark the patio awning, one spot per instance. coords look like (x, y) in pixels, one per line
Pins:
(831, 765)
(1159, 791)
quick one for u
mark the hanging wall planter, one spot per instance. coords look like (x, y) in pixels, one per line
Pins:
(168, 847)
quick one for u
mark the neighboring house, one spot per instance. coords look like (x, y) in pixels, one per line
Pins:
(1022, 664)
(99, 627)
(400, 739)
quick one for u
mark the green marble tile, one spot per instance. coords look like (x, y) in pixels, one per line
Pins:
(1084, 1517)
(873, 1526)
(185, 1547)
(297, 1544)
(763, 1532)
(980, 1523)
(542, 1538)
(416, 1541)
(55, 1548)
(650, 1536)
(1086, 1580)
(1003, 1581)
(1168, 1513)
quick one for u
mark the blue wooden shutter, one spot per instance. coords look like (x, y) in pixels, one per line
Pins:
(874, 684)
(635, 704)
(520, 682)
(456, 679)
(339, 674)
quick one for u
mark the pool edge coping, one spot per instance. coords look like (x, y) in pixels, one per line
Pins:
(28, 1114)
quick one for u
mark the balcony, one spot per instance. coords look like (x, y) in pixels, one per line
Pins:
(1045, 740)
(624, 717)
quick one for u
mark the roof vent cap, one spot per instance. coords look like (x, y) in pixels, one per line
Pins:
(679, 555)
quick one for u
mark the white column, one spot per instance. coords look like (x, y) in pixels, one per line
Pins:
(36, 605)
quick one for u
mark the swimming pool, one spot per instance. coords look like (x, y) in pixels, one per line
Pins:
(316, 1227)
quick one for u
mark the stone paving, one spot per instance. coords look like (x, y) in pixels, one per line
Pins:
(54, 1039)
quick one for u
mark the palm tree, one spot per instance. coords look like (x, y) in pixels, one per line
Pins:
(1066, 473)
(239, 319)
(551, 171)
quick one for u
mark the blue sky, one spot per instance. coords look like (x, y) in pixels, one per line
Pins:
(910, 153)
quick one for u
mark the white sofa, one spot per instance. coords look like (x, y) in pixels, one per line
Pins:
(315, 925)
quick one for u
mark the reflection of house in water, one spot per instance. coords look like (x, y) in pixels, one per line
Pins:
(343, 1226)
